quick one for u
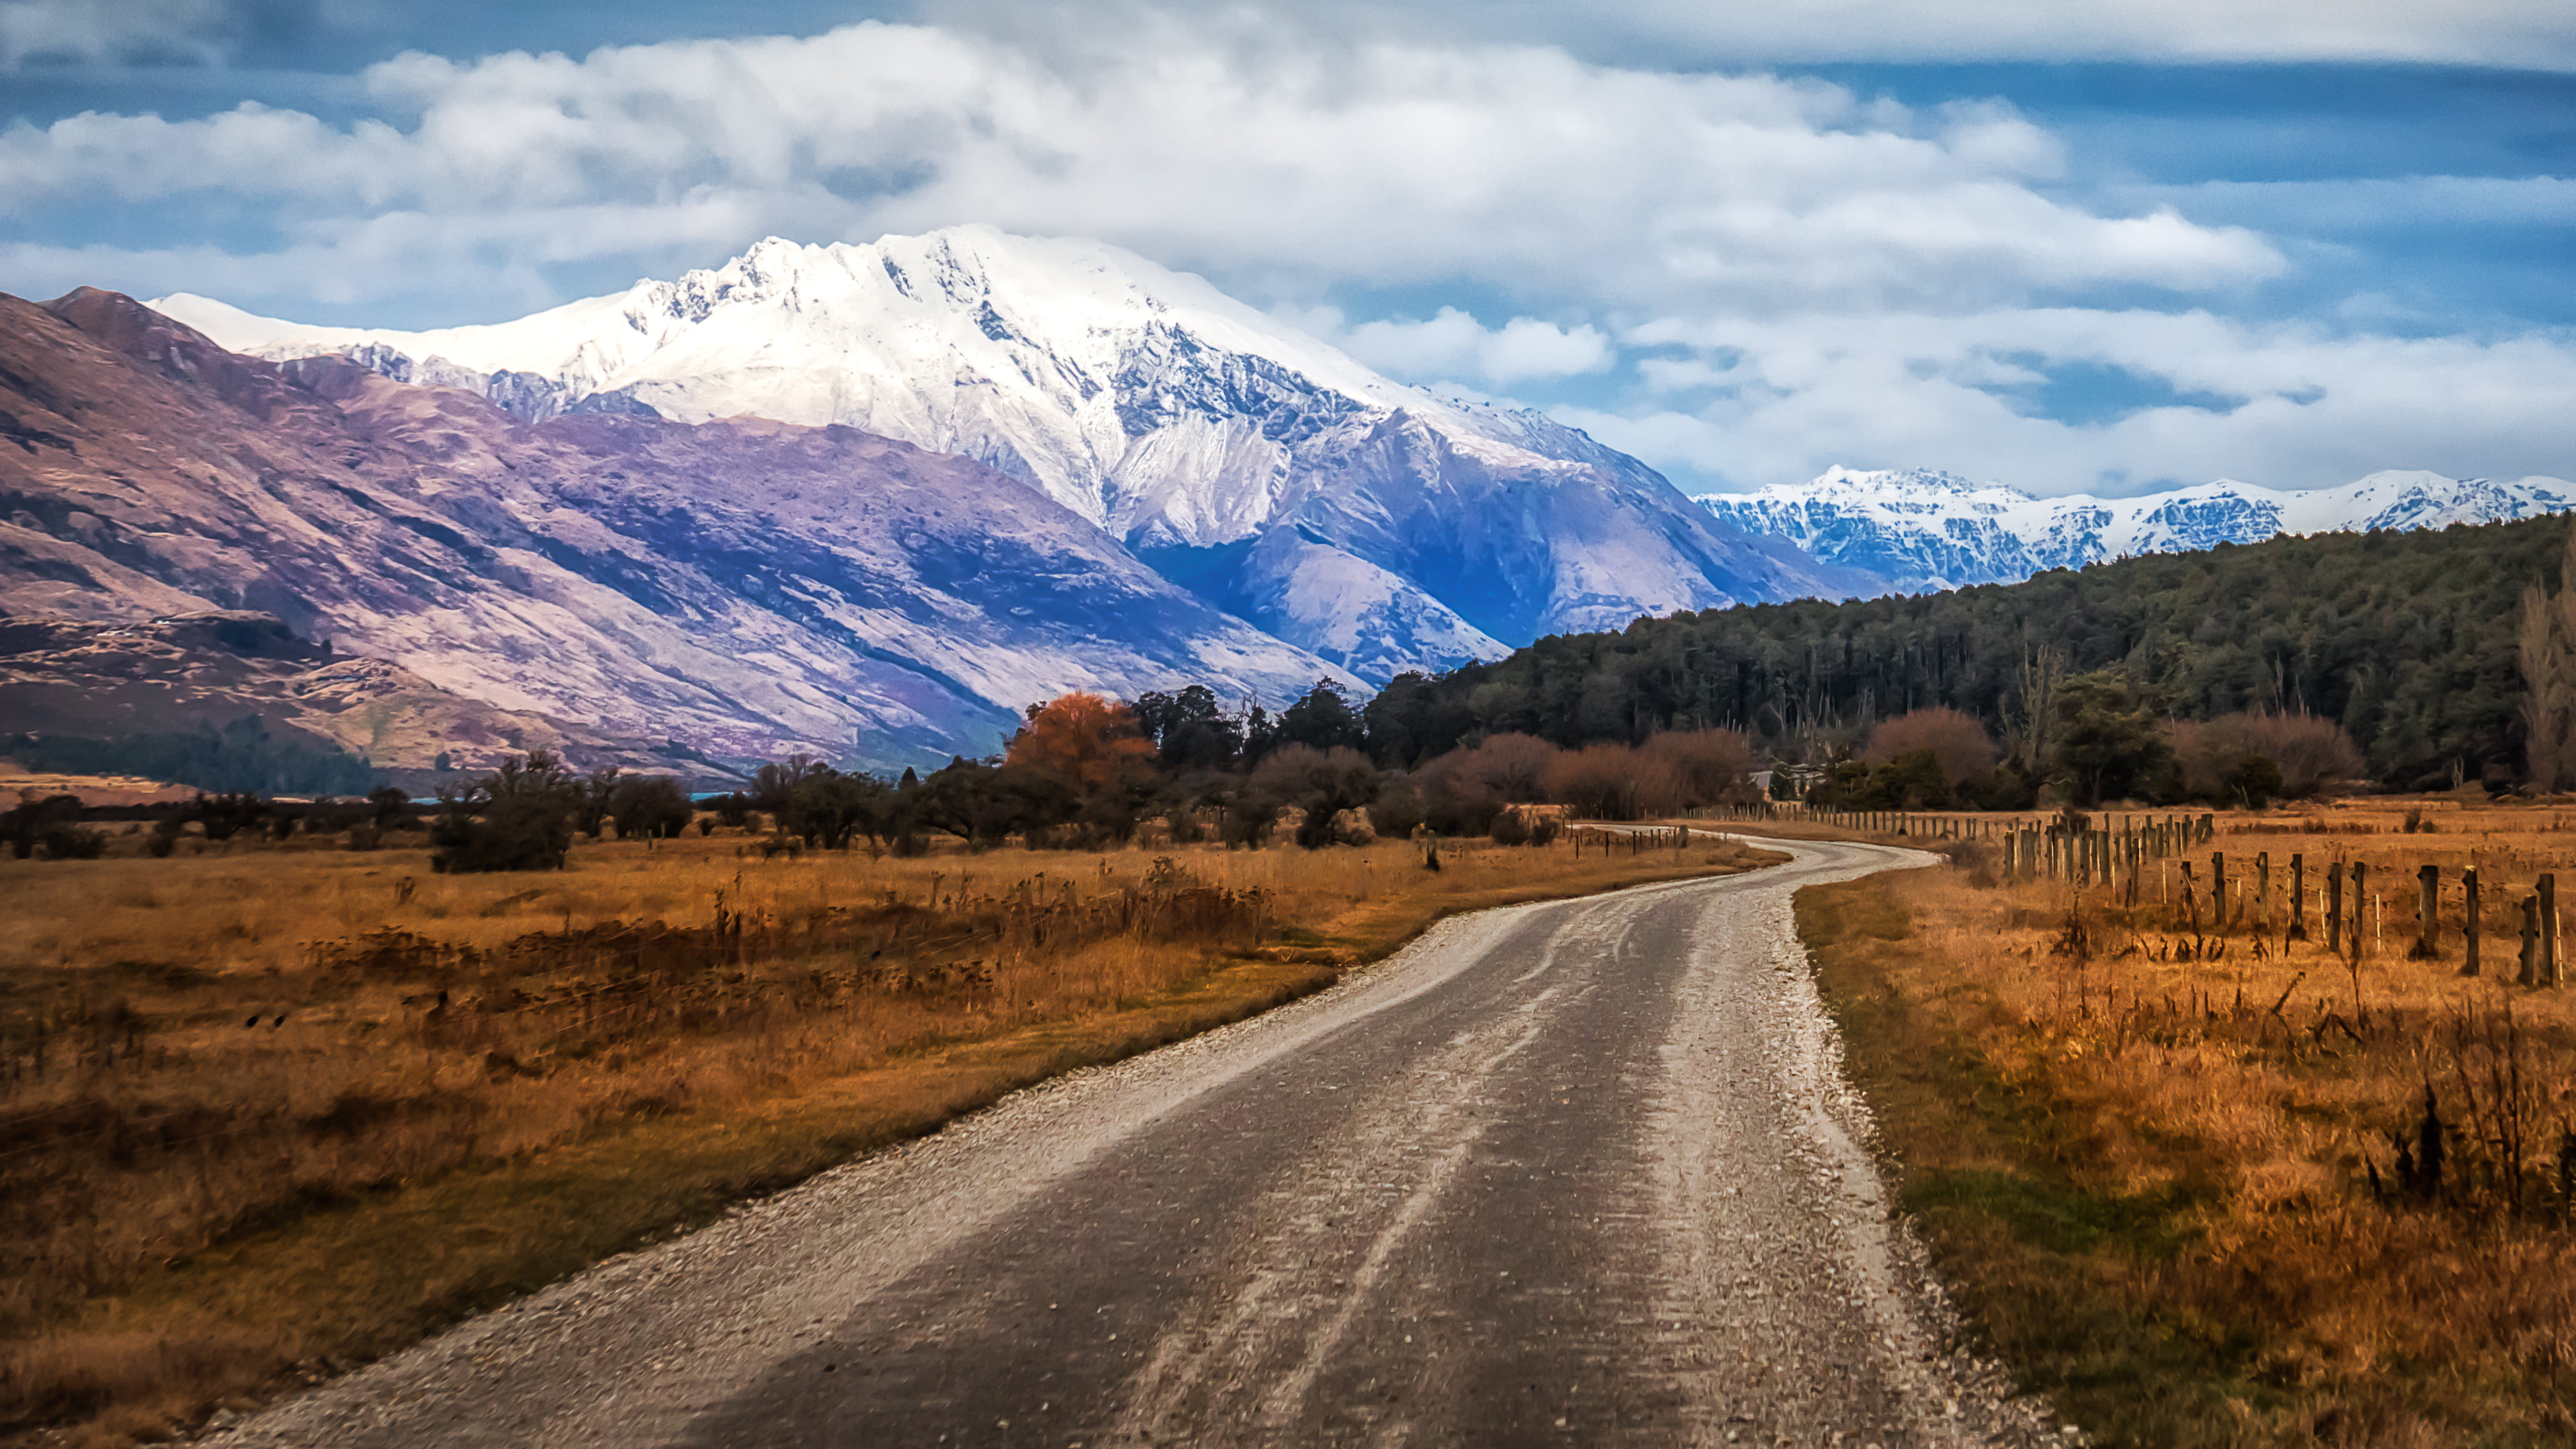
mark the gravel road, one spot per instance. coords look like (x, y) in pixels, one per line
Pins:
(1573, 1173)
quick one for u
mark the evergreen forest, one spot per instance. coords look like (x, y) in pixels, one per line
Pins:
(2405, 640)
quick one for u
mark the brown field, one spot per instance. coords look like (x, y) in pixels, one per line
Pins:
(2182, 1188)
(269, 1110)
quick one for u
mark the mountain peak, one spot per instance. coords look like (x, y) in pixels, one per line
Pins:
(1185, 424)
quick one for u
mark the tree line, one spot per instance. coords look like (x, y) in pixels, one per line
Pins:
(2409, 643)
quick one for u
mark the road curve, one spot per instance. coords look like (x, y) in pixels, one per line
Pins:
(1573, 1173)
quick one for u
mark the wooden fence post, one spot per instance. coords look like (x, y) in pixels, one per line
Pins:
(2360, 904)
(2298, 896)
(2529, 975)
(2191, 903)
(2218, 893)
(2469, 961)
(2549, 929)
(2262, 891)
(2428, 904)
(2334, 908)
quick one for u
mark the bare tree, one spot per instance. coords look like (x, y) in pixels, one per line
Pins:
(2030, 725)
(2546, 644)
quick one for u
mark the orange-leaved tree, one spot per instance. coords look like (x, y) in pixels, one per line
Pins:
(1088, 739)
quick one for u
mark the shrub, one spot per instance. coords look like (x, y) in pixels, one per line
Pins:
(226, 815)
(651, 806)
(2306, 754)
(1701, 768)
(73, 842)
(518, 818)
(1321, 783)
(1606, 782)
(1456, 800)
(1957, 741)
(1398, 810)
(828, 807)
(34, 820)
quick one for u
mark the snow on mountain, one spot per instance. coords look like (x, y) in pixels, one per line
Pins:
(742, 587)
(1375, 524)
(1923, 531)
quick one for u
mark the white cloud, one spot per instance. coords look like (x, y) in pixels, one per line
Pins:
(1294, 170)
(1754, 402)
(1455, 345)
(1866, 283)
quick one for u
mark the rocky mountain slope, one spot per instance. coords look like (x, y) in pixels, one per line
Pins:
(1927, 531)
(1374, 524)
(741, 587)
(200, 673)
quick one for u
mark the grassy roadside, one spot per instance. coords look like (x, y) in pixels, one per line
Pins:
(2152, 1202)
(351, 1275)
(2054, 1265)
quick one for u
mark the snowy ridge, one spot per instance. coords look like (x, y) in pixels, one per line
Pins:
(1376, 525)
(1923, 531)
(1036, 355)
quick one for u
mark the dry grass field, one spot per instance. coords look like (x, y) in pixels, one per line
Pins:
(267, 1110)
(2187, 1183)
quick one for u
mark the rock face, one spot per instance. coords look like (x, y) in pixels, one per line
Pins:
(1926, 531)
(1374, 524)
(741, 587)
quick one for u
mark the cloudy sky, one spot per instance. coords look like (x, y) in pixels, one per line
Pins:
(2102, 247)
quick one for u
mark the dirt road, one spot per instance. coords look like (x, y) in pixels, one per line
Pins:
(1575, 1173)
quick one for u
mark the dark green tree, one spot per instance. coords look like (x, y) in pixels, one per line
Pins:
(2109, 746)
(1323, 720)
(650, 807)
(828, 807)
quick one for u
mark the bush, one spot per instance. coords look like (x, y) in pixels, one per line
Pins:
(73, 842)
(1511, 827)
(1321, 783)
(1699, 768)
(653, 807)
(518, 818)
(826, 808)
(1608, 782)
(2305, 754)
(1957, 742)
(34, 821)
(1398, 810)
(224, 816)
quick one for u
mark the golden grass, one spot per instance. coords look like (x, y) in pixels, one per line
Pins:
(268, 1111)
(2154, 1191)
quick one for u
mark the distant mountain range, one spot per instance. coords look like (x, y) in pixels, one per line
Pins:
(1922, 532)
(1374, 525)
(873, 500)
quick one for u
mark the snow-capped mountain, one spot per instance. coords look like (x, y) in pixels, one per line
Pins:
(741, 587)
(1923, 531)
(1375, 524)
